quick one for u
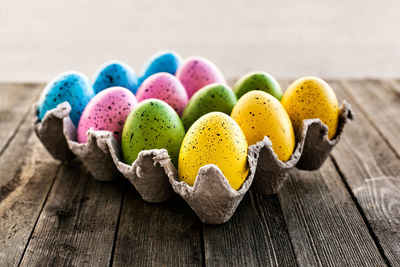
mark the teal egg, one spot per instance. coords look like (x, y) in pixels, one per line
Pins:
(72, 87)
(153, 124)
(164, 61)
(258, 81)
(213, 97)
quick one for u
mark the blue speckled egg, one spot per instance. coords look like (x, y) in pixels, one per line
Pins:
(72, 87)
(163, 61)
(115, 73)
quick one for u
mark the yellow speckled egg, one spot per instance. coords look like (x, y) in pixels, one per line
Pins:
(311, 98)
(260, 114)
(214, 138)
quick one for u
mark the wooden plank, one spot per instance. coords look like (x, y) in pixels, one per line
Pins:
(371, 170)
(381, 106)
(324, 223)
(15, 105)
(165, 234)
(256, 235)
(78, 222)
(26, 174)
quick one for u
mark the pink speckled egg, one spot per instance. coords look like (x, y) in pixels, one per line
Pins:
(166, 87)
(106, 111)
(197, 72)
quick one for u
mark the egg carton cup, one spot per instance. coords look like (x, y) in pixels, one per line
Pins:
(58, 134)
(315, 141)
(52, 130)
(147, 173)
(312, 148)
(211, 197)
(271, 173)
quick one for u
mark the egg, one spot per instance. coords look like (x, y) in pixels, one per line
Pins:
(115, 73)
(197, 72)
(258, 81)
(163, 61)
(72, 87)
(153, 124)
(260, 114)
(312, 98)
(166, 87)
(213, 97)
(215, 138)
(106, 111)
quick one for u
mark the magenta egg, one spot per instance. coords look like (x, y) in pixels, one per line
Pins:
(166, 87)
(106, 111)
(197, 72)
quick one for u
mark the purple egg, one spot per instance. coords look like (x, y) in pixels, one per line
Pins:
(166, 87)
(106, 111)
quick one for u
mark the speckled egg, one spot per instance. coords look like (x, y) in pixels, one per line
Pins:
(107, 111)
(258, 81)
(153, 124)
(260, 114)
(213, 97)
(216, 139)
(166, 87)
(197, 72)
(163, 61)
(312, 98)
(115, 73)
(71, 87)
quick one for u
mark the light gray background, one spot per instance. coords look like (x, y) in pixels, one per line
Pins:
(288, 38)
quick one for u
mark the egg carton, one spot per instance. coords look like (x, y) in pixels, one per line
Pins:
(156, 179)
(312, 149)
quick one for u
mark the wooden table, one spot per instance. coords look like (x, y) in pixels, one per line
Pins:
(346, 213)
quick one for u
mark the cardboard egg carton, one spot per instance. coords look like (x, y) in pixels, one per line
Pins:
(156, 179)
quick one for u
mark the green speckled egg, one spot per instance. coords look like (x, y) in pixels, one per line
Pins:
(153, 124)
(213, 97)
(258, 81)
(215, 138)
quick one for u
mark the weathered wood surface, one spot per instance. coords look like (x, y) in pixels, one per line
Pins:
(167, 234)
(345, 214)
(78, 219)
(256, 235)
(372, 169)
(27, 175)
(380, 104)
(15, 106)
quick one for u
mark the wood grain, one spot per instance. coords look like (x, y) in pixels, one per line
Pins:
(78, 222)
(252, 237)
(165, 234)
(15, 106)
(381, 106)
(364, 158)
(324, 224)
(26, 174)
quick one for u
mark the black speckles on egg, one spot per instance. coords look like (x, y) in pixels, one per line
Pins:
(71, 87)
(215, 138)
(215, 97)
(115, 74)
(156, 126)
(311, 98)
(107, 110)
